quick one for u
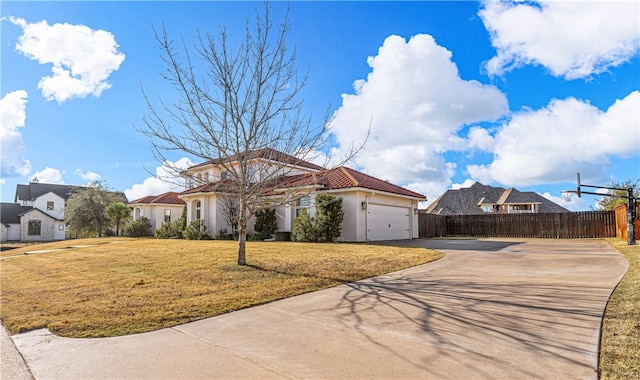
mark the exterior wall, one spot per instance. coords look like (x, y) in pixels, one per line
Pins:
(155, 212)
(58, 205)
(47, 228)
(11, 232)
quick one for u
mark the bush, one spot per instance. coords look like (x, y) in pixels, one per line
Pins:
(327, 226)
(171, 229)
(223, 235)
(196, 230)
(329, 217)
(139, 227)
(304, 228)
(266, 223)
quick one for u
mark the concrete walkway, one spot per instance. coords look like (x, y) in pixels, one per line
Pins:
(512, 309)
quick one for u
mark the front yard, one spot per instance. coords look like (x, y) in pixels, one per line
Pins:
(127, 286)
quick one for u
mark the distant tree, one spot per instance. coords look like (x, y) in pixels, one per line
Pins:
(85, 210)
(608, 202)
(234, 102)
(329, 216)
(118, 212)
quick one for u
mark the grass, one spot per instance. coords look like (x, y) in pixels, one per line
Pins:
(141, 285)
(620, 342)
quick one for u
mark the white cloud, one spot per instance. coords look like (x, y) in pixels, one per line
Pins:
(416, 103)
(82, 58)
(88, 175)
(13, 117)
(49, 175)
(551, 144)
(574, 203)
(573, 39)
(165, 179)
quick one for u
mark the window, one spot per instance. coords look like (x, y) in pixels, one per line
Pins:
(61, 227)
(487, 208)
(198, 210)
(167, 215)
(224, 174)
(49, 206)
(302, 203)
(34, 227)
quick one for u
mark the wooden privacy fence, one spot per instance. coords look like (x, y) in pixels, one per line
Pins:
(590, 224)
(622, 223)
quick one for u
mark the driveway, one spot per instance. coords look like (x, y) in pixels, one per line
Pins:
(492, 308)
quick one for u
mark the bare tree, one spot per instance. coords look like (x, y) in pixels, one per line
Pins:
(238, 108)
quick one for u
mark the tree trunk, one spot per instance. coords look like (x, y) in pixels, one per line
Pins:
(242, 244)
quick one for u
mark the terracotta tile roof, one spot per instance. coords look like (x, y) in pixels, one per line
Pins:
(210, 187)
(345, 178)
(169, 198)
(265, 153)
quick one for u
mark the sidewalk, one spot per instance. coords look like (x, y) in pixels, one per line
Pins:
(490, 309)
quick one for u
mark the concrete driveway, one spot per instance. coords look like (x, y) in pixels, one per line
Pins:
(492, 308)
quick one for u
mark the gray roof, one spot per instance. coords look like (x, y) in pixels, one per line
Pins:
(468, 201)
(36, 189)
(10, 212)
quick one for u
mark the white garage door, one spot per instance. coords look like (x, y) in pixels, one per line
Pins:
(387, 222)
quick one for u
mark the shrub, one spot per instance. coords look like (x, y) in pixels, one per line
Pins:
(266, 223)
(171, 229)
(304, 228)
(329, 217)
(139, 227)
(223, 235)
(196, 230)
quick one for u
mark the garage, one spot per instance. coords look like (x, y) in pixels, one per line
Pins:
(386, 222)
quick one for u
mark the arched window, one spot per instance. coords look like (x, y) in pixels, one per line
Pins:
(198, 210)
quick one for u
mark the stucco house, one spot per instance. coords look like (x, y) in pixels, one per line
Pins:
(374, 209)
(166, 207)
(483, 199)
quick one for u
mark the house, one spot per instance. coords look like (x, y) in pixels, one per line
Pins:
(37, 213)
(159, 209)
(483, 199)
(374, 209)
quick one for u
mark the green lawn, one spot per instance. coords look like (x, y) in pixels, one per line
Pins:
(126, 286)
(620, 343)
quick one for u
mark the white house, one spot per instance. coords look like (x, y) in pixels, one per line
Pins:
(374, 209)
(159, 209)
(37, 213)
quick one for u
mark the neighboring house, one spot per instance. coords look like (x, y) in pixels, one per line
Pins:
(159, 209)
(483, 199)
(37, 213)
(374, 209)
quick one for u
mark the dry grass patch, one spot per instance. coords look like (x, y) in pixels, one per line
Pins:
(141, 285)
(620, 343)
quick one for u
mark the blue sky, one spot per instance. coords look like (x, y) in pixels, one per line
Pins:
(509, 94)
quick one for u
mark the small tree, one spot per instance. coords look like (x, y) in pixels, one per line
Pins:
(235, 102)
(85, 210)
(329, 216)
(173, 229)
(266, 223)
(118, 212)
